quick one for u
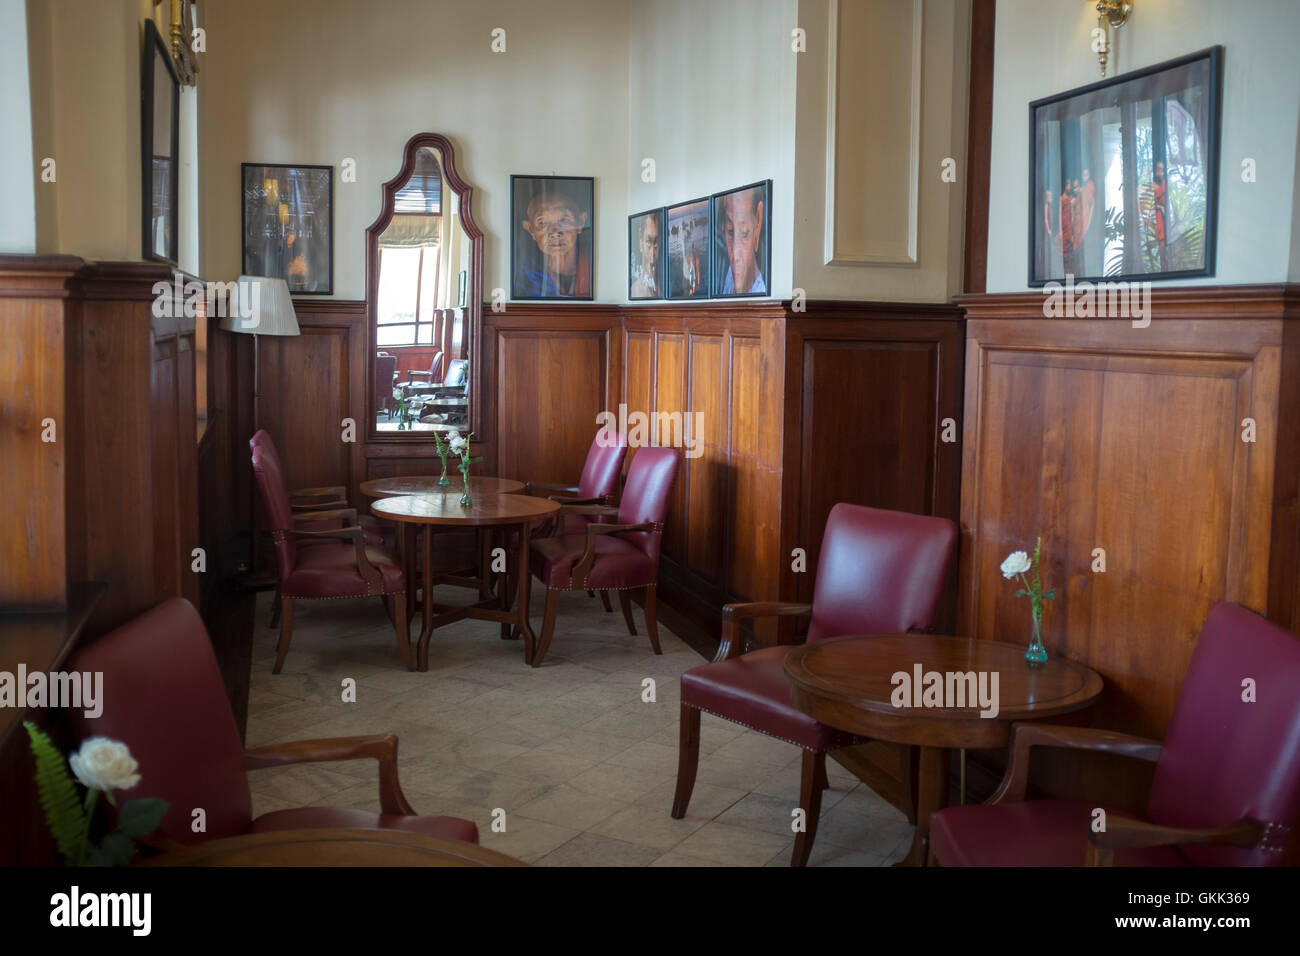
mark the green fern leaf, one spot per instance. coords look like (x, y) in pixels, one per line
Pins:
(58, 795)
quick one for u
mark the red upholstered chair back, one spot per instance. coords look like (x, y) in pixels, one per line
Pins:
(645, 496)
(385, 366)
(879, 572)
(604, 464)
(1224, 758)
(163, 697)
(275, 501)
(435, 368)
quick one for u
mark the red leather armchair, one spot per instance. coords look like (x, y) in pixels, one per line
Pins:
(622, 556)
(164, 698)
(340, 564)
(880, 572)
(1227, 782)
(429, 377)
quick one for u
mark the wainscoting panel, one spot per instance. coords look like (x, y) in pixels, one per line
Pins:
(1097, 435)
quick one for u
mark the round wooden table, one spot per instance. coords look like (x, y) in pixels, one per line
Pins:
(848, 683)
(329, 847)
(501, 512)
(428, 485)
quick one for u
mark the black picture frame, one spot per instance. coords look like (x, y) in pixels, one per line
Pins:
(1118, 242)
(461, 287)
(529, 279)
(159, 172)
(639, 288)
(696, 216)
(268, 237)
(762, 254)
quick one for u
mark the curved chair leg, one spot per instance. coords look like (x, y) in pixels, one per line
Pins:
(286, 633)
(604, 599)
(400, 624)
(688, 759)
(548, 629)
(625, 599)
(275, 609)
(651, 624)
(821, 783)
(810, 799)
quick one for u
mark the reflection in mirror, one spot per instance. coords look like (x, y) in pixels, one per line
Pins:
(421, 296)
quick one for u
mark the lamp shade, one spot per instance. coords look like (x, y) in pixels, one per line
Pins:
(260, 305)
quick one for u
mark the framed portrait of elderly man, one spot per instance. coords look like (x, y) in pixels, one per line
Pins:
(552, 237)
(645, 242)
(742, 248)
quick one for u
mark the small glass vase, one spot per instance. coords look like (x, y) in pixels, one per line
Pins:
(465, 500)
(1037, 653)
(444, 480)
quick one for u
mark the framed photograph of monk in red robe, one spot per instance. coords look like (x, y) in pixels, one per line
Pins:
(552, 242)
(1123, 175)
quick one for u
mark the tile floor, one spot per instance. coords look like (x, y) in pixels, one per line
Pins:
(583, 768)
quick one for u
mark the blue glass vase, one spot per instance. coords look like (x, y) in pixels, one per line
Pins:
(1037, 653)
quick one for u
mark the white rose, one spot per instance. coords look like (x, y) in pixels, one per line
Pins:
(1017, 562)
(103, 764)
(457, 443)
(397, 394)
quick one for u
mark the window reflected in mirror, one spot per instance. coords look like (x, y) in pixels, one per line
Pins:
(424, 255)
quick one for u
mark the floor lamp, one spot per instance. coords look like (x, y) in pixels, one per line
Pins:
(261, 306)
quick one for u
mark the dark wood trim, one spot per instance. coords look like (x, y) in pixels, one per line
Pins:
(979, 145)
(37, 277)
(473, 295)
(1180, 302)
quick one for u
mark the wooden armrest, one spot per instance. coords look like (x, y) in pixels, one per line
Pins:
(382, 747)
(603, 511)
(733, 614)
(369, 573)
(347, 515)
(1126, 831)
(330, 492)
(601, 501)
(1027, 735)
(531, 486)
(588, 559)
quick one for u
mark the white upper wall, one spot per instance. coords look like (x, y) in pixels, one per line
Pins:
(17, 171)
(711, 100)
(1043, 48)
(313, 82)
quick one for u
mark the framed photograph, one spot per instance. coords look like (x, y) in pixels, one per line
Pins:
(689, 228)
(160, 99)
(1123, 175)
(552, 242)
(288, 225)
(645, 245)
(742, 246)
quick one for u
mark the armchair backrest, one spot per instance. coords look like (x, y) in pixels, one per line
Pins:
(604, 465)
(879, 572)
(645, 496)
(435, 368)
(1230, 751)
(385, 366)
(163, 697)
(275, 500)
(456, 372)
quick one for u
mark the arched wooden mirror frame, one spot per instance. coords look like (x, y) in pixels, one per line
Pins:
(473, 295)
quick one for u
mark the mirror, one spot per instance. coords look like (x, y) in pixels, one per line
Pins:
(423, 299)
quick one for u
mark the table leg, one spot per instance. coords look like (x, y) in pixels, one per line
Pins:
(406, 554)
(524, 585)
(426, 616)
(932, 795)
(484, 563)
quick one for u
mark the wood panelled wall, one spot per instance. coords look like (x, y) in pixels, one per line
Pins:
(1095, 434)
(99, 435)
(726, 363)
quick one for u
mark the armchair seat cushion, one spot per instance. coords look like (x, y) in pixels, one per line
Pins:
(618, 563)
(752, 690)
(329, 570)
(1034, 833)
(307, 818)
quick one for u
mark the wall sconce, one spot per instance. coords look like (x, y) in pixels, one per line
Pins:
(182, 34)
(1111, 14)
